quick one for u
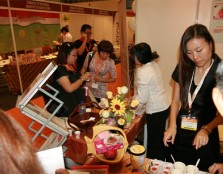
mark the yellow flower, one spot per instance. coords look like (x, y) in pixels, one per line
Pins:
(118, 107)
(134, 103)
(100, 112)
(104, 103)
(109, 94)
(119, 90)
(121, 121)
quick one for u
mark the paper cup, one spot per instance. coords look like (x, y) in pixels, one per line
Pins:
(154, 170)
(77, 134)
(192, 169)
(176, 171)
(70, 132)
(179, 165)
(167, 167)
(166, 171)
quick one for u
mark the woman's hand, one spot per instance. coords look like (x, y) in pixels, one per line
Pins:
(169, 135)
(201, 139)
(98, 78)
(216, 167)
(86, 76)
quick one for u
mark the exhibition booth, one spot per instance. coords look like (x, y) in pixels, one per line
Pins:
(27, 53)
(29, 29)
(94, 140)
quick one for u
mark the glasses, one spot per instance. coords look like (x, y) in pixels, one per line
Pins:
(88, 33)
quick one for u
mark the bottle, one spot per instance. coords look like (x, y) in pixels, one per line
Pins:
(82, 108)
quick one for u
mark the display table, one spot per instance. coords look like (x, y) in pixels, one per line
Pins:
(77, 147)
(150, 166)
(124, 167)
(29, 72)
(3, 63)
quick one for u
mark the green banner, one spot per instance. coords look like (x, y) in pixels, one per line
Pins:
(31, 30)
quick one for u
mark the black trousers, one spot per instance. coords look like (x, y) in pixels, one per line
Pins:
(155, 130)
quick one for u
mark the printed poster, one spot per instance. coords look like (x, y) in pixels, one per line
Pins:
(31, 29)
(216, 22)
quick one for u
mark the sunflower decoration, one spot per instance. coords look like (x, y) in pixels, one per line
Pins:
(117, 106)
(116, 109)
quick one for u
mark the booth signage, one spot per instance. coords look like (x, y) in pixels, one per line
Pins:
(82, 10)
(33, 29)
(35, 5)
(73, 9)
(45, 6)
(104, 12)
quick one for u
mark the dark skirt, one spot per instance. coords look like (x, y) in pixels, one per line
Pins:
(184, 151)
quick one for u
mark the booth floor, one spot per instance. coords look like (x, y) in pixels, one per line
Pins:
(7, 100)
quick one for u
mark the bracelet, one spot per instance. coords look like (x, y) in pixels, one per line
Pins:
(206, 128)
(82, 79)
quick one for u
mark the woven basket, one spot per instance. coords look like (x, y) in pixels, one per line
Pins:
(91, 149)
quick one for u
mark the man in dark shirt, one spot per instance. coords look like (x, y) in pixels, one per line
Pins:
(85, 44)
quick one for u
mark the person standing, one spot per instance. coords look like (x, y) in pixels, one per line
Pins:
(151, 94)
(192, 133)
(66, 36)
(100, 65)
(85, 45)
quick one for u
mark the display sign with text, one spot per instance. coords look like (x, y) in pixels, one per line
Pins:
(216, 22)
(32, 29)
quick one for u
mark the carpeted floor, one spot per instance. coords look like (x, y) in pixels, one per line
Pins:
(7, 100)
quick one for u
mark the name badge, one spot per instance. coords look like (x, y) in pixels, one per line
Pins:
(94, 85)
(189, 123)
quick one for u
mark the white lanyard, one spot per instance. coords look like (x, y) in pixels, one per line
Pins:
(191, 99)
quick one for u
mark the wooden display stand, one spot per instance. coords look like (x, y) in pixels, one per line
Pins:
(41, 115)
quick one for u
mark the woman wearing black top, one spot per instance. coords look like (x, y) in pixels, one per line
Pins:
(192, 132)
(67, 80)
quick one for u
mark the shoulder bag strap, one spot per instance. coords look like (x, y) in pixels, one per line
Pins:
(91, 55)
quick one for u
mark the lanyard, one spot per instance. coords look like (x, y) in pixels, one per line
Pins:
(89, 47)
(99, 67)
(191, 98)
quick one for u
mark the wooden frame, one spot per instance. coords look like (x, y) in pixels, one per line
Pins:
(96, 169)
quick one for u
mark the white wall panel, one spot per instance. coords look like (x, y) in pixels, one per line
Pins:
(102, 26)
(161, 24)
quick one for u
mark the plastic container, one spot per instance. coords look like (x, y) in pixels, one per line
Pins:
(82, 108)
(137, 156)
